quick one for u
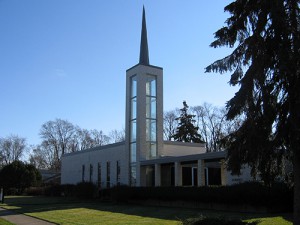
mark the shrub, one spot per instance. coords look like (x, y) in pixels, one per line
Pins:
(54, 190)
(67, 190)
(86, 190)
(215, 221)
(254, 194)
(18, 175)
(11, 191)
(34, 191)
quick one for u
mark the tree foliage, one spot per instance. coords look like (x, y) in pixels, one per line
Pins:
(265, 64)
(211, 122)
(20, 176)
(186, 130)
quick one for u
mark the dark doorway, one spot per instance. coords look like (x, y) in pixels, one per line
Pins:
(213, 176)
(186, 176)
(172, 176)
(195, 176)
(150, 176)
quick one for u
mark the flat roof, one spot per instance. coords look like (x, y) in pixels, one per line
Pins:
(96, 148)
(189, 144)
(173, 159)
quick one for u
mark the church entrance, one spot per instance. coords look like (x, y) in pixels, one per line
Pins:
(213, 176)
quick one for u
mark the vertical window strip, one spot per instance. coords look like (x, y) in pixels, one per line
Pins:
(91, 173)
(108, 174)
(118, 173)
(132, 132)
(82, 173)
(99, 175)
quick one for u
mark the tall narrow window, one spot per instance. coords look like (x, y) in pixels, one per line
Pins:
(91, 173)
(118, 173)
(99, 175)
(133, 129)
(151, 122)
(133, 174)
(82, 173)
(108, 174)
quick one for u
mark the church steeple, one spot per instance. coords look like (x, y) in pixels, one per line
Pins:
(144, 53)
(144, 114)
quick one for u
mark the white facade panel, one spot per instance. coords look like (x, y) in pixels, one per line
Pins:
(72, 165)
(180, 148)
(236, 179)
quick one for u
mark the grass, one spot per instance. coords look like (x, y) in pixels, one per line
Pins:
(5, 222)
(70, 211)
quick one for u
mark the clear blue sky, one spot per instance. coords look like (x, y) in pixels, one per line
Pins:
(67, 59)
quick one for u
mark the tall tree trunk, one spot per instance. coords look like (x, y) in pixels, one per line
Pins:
(295, 147)
(297, 187)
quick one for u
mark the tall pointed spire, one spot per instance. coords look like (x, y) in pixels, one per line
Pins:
(144, 53)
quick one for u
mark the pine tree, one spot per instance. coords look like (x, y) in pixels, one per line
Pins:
(265, 64)
(186, 130)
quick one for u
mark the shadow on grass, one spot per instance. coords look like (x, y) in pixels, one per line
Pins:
(29, 205)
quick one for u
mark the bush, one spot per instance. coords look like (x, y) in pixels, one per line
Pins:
(34, 191)
(253, 194)
(11, 191)
(215, 221)
(67, 190)
(18, 175)
(86, 190)
(54, 190)
(81, 190)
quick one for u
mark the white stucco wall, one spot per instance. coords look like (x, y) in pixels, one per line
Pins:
(172, 148)
(71, 171)
(235, 179)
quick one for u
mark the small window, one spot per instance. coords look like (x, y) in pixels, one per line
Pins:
(99, 175)
(151, 85)
(118, 172)
(133, 175)
(108, 174)
(91, 173)
(82, 173)
(133, 152)
(133, 86)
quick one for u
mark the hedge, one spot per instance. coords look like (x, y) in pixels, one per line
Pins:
(215, 221)
(254, 194)
(81, 190)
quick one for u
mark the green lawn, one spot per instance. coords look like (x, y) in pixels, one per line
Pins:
(4, 222)
(68, 211)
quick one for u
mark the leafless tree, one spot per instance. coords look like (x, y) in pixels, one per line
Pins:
(213, 125)
(85, 139)
(12, 148)
(57, 137)
(117, 136)
(60, 137)
(211, 121)
(81, 140)
(201, 122)
(170, 124)
(99, 138)
(40, 157)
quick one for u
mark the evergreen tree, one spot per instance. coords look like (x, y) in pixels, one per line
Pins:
(265, 64)
(20, 176)
(186, 130)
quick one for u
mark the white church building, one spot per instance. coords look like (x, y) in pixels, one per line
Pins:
(144, 158)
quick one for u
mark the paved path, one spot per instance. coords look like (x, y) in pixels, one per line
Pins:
(21, 219)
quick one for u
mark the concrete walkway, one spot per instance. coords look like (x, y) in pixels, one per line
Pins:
(21, 219)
